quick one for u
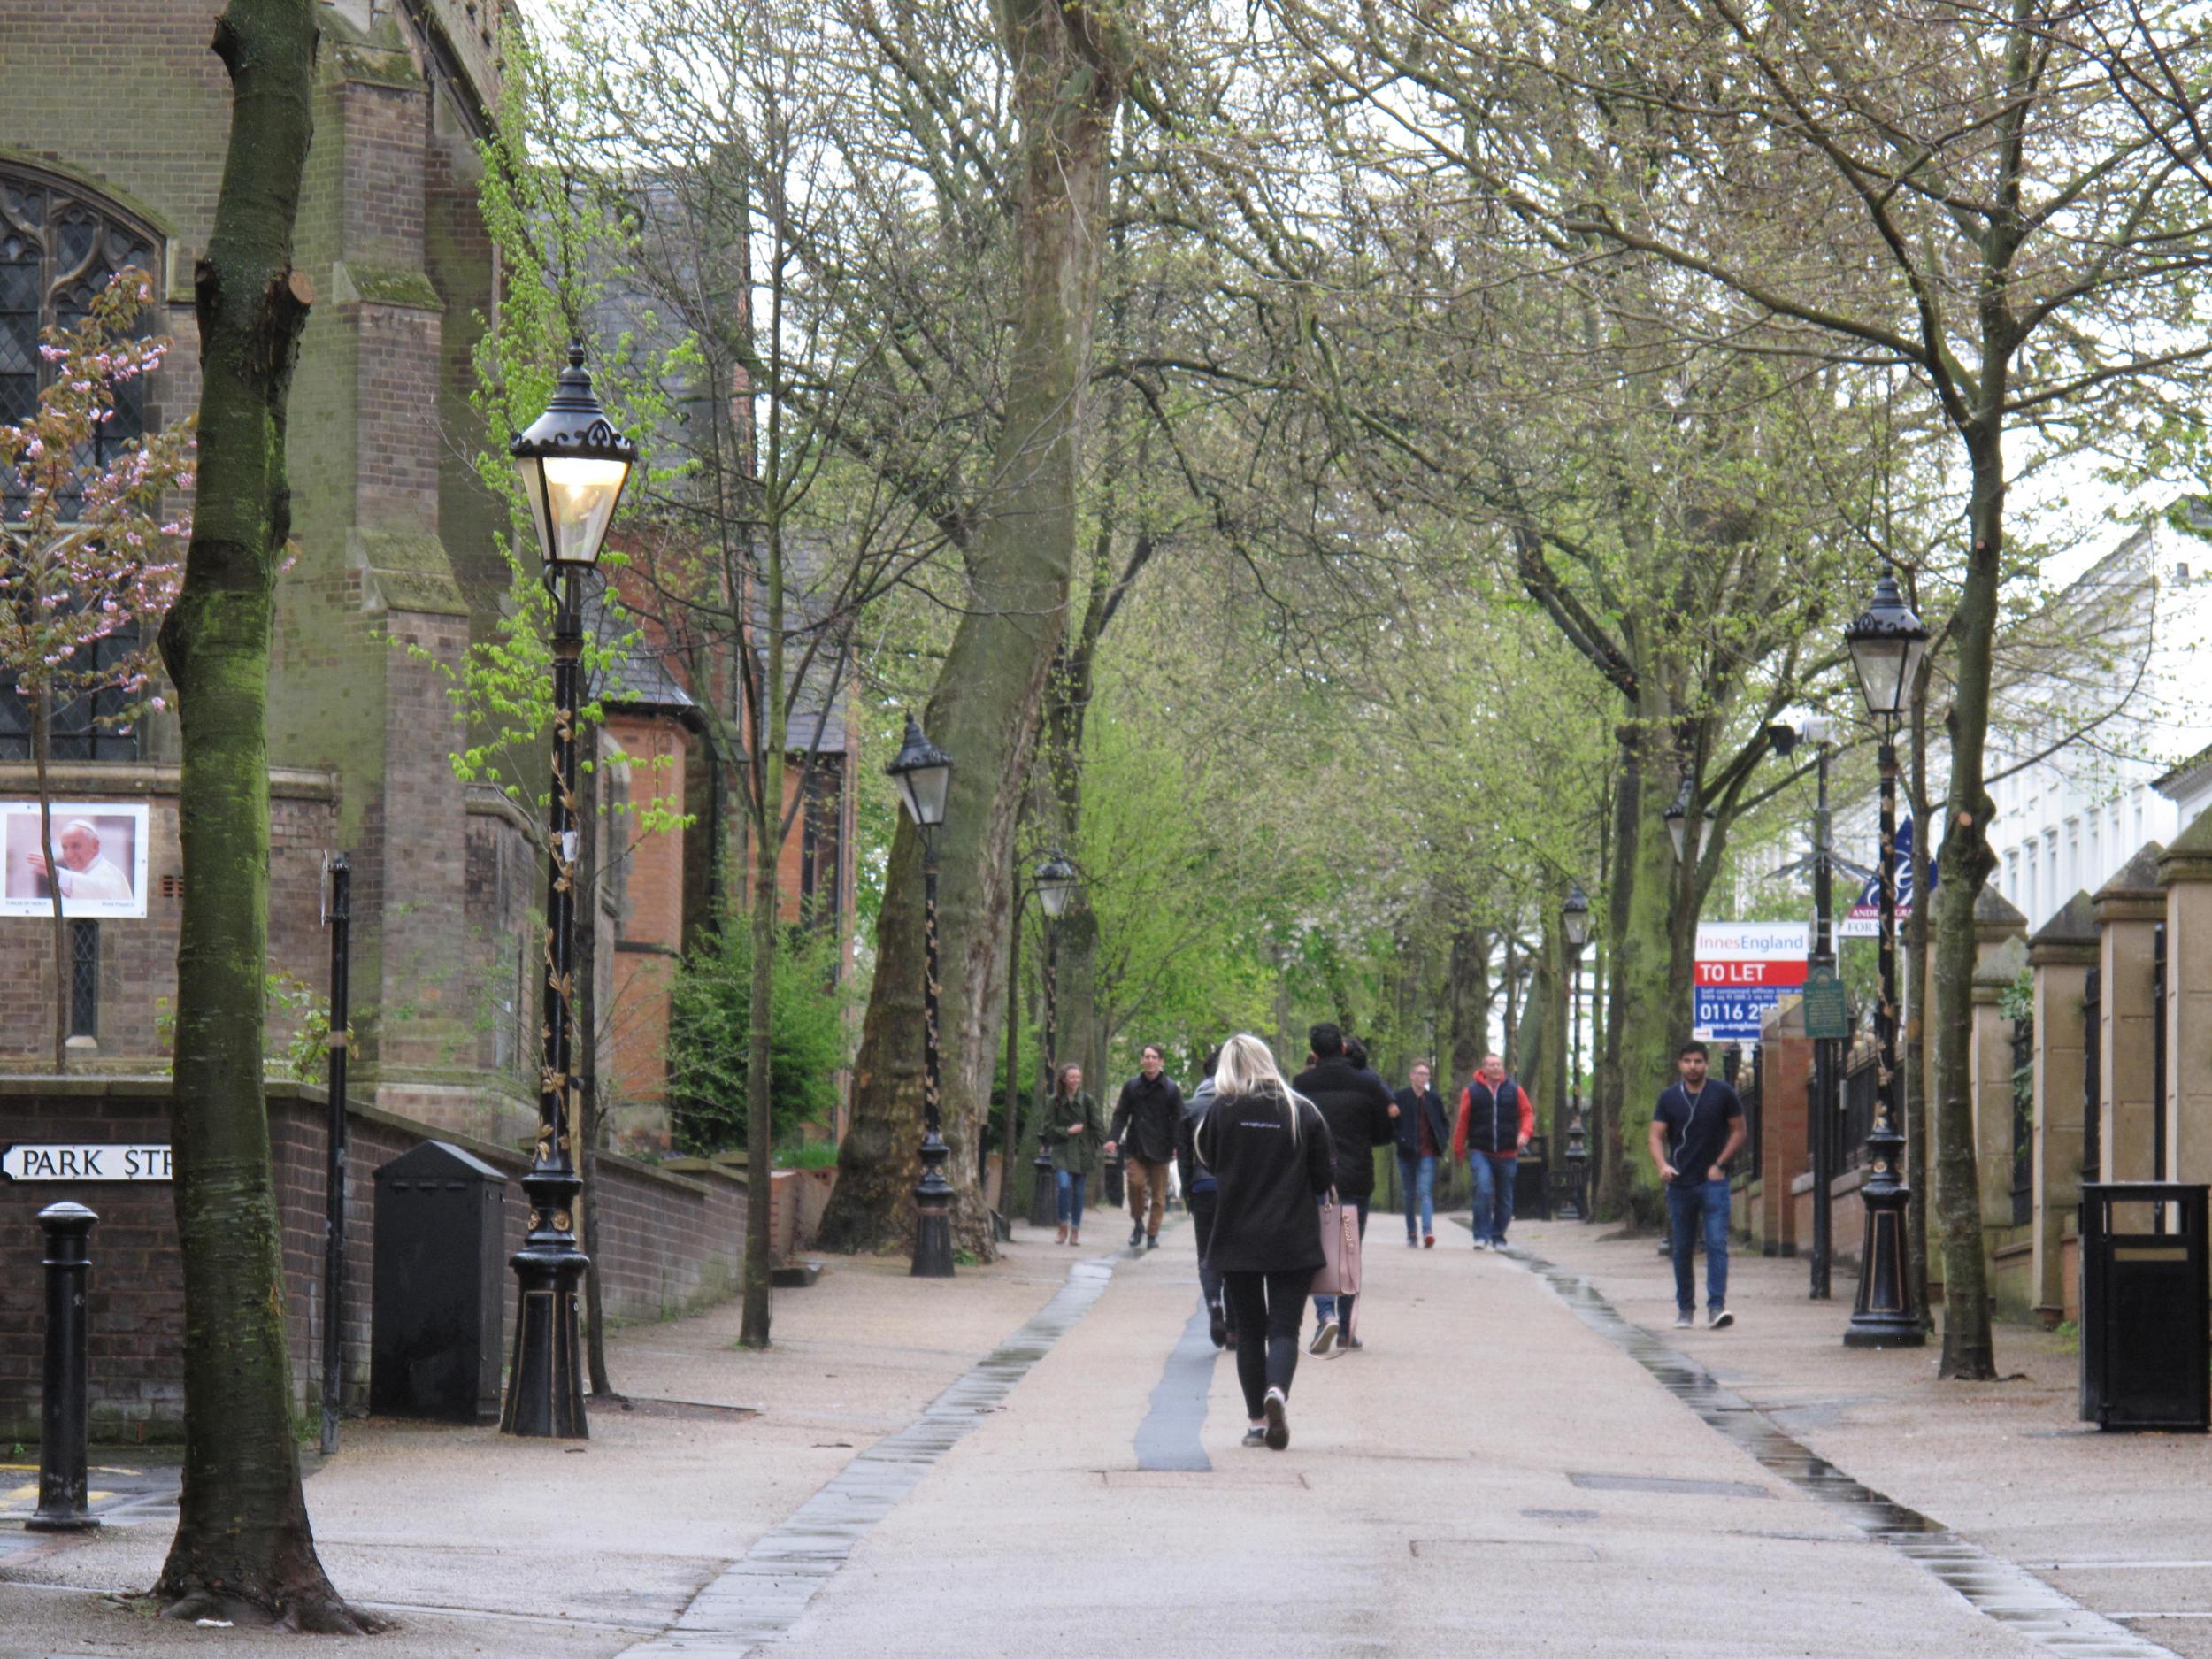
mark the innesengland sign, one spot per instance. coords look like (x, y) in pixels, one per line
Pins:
(25, 1162)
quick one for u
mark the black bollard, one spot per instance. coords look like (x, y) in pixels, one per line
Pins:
(1044, 1191)
(62, 1414)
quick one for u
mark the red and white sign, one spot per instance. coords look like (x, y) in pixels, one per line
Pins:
(1743, 969)
(1788, 975)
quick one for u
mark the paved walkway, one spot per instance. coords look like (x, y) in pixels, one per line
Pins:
(1038, 1458)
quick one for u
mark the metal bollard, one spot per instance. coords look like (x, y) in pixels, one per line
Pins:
(62, 1413)
(1044, 1191)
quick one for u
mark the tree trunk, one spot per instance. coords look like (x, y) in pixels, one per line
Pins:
(1608, 1144)
(1468, 996)
(1966, 862)
(1011, 1119)
(1072, 63)
(1648, 1016)
(242, 1546)
(770, 736)
(1916, 1062)
(1510, 978)
(41, 701)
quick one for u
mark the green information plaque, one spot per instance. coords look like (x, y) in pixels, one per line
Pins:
(1826, 1013)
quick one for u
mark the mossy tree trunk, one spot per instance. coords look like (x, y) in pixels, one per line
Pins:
(1071, 64)
(1967, 860)
(243, 1547)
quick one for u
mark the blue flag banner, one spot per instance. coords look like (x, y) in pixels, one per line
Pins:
(1864, 920)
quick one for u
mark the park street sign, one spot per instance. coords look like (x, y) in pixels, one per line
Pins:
(25, 1162)
(1743, 969)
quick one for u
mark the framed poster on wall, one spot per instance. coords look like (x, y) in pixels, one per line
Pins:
(99, 859)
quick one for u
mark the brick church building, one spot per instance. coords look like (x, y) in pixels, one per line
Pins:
(112, 131)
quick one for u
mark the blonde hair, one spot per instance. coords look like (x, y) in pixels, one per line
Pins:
(1247, 1068)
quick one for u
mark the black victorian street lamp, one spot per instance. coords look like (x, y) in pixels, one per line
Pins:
(923, 774)
(1677, 818)
(1887, 642)
(1574, 922)
(572, 466)
(1056, 881)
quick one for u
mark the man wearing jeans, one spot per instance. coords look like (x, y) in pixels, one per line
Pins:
(1496, 1118)
(1422, 1138)
(1696, 1127)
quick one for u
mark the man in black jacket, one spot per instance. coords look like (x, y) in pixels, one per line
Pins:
(1358, 1110)
(1150, 1111)
(1425, 1134)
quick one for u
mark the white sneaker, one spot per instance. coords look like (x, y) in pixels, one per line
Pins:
(1482, 1244)
(1278, 1434)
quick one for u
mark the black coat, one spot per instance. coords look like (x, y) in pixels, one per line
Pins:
(1269, 1176)
(1356, 1107)
(1146, 1117)
(1410, 1111)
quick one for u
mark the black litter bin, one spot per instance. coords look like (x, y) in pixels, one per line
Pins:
(440, 1285)
(1532, 1190)
(2146, 1353)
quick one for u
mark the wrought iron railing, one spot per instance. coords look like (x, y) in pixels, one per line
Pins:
(2023, 1121)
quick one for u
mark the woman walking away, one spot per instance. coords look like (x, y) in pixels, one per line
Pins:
(1269, 1153)
(1073, 1129)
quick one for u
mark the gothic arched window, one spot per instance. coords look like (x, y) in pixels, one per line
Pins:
(59, 246)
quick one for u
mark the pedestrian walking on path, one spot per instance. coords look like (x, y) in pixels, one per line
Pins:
(1271, 1157)
(1146, 1115)
(1696, 1127)
(1422, 1134)
(1360, 1113)
(1202, 1194)
(1073, 1128)
(1496, 1117)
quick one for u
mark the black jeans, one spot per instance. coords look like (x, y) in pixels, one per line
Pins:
(1203, 1207)
(1266, 1308)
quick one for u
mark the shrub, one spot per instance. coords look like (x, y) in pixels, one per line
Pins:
(711, 1018)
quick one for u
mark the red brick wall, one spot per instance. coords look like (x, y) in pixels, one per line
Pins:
(668, 1244)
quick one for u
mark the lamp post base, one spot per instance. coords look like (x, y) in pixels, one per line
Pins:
(545, 1382)
(932, 1212)
(932, 1244)
(545, 1388)
(1884, 1315)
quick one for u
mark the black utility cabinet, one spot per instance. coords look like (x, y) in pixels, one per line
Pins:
(2146, 1351)
(441, 1283)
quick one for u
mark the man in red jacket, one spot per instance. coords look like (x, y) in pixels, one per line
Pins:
(1495, 1120)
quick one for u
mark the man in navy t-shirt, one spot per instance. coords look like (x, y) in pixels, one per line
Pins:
(1696, 1127)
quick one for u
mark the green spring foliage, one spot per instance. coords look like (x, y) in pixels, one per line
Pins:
(810, 1038)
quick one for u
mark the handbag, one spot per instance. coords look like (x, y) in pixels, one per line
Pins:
(1340, 1249)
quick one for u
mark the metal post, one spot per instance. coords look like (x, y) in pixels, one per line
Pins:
(334, 1167)
(1884, 1316)
(62, 1411)
(1044, 1196)
(545, 1388)
(933, 1194)
(1822, 1110)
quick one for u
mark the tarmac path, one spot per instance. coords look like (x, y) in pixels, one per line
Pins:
(1491, 1475)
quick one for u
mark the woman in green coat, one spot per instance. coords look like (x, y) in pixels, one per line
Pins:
(1074, 1129)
